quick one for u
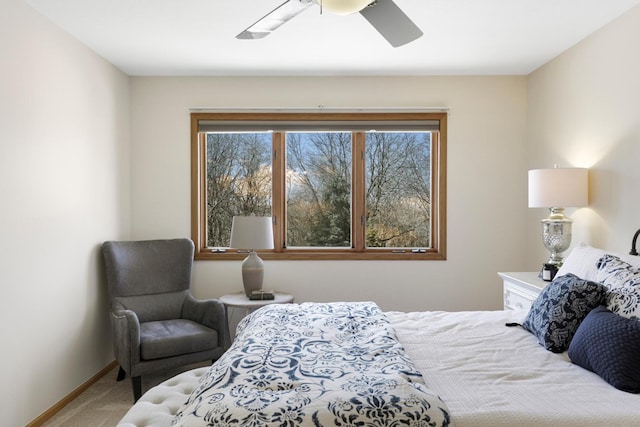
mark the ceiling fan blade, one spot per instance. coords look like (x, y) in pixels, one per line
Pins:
(391, 22)
(274, 19)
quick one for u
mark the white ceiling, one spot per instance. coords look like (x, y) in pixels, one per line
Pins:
(197, 37)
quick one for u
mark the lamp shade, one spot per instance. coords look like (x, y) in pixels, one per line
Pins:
(559, 187)
(344, 7)
(251, 232)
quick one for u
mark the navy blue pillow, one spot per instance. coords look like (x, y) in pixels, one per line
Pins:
(609, 345)
(556, 314)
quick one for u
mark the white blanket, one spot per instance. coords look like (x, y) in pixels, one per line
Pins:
(492, 375)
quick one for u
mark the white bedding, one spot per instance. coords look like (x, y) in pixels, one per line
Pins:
(486, 373)
(492, 375)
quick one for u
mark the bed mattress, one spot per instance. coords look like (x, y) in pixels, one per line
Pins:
(486, 373)
(492, 375)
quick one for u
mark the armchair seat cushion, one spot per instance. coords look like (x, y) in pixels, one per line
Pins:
(166, 338)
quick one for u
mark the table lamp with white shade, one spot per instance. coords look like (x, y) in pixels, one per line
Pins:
(556, 189)
(251, 233)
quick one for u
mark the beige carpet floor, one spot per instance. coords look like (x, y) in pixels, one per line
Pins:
(106, 401)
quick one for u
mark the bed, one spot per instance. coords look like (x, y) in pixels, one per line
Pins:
(426, 368)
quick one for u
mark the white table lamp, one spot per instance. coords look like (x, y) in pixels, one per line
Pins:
(252, 232)
(556, 189)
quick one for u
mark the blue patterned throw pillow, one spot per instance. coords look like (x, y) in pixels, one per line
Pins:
(622, 281)
(609, 345)
(556, 314)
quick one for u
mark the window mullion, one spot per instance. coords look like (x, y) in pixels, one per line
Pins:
(278, 204)
(358, 225)
(199, 186)
(438, 183)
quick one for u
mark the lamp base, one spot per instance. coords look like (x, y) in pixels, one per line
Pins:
(556, 235)
(252, 273)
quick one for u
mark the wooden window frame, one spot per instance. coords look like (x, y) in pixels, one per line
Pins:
(358, 251)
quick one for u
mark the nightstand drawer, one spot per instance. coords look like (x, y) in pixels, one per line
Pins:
(514, 300)
(520, 289)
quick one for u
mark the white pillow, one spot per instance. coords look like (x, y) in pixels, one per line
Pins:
(582, 261)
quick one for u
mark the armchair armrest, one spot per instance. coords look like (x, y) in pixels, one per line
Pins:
(210, 313)
(126, 334)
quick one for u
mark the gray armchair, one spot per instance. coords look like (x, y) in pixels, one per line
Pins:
(157, 323)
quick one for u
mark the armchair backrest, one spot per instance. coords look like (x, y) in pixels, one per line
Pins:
(150, 277)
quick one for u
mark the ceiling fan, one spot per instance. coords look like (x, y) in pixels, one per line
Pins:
(384, 15)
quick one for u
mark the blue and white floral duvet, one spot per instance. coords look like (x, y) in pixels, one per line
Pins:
(310, 364)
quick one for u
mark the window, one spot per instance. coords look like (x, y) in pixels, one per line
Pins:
(338, 185)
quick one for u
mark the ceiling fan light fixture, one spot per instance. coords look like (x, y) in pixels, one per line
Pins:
(344, 7)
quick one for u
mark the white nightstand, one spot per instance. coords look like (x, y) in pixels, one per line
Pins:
(521, 289)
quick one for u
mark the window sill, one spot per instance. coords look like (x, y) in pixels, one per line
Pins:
(206, 254)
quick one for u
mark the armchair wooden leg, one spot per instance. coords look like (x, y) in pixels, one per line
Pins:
(121, 374)
(137, 388)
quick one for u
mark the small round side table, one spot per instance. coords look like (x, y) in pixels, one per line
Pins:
(241, 301)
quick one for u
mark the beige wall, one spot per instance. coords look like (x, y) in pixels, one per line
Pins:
(584, 110)
(486, 183)
(64, 183)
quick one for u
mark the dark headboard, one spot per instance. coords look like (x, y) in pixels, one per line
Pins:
(633, 244)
